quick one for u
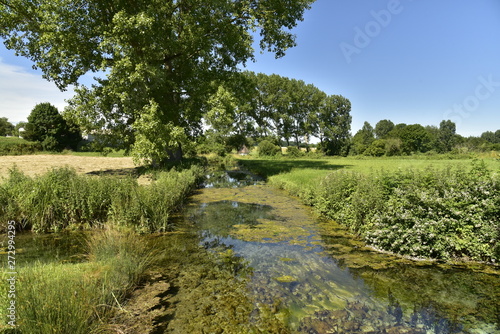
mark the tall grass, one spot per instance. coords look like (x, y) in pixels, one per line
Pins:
(80, 297)
(61, 199)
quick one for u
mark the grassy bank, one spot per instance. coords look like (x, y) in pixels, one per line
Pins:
(18, 146)
(62, 199)
(61, 294)
(54, 296)
(439, 209)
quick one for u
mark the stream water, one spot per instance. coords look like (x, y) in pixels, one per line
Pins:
(326, 281)
(312, 275)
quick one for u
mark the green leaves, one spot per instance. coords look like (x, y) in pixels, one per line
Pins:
(47, 126)
(168, 52)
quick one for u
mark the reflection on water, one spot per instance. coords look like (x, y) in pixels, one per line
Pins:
(231, 179)
(322, 281)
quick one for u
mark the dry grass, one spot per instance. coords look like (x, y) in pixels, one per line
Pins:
(38, 164)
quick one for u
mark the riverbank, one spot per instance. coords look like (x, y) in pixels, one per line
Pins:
(445, 210)
(78, 288)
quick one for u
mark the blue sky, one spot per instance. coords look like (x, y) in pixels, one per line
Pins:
(410, 61)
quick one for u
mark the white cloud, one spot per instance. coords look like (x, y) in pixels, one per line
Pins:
(21, 90)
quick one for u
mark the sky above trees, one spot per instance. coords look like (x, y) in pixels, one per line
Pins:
(407, 61)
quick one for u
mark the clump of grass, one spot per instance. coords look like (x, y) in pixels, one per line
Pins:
(62, 199)
(148, 208)
(80, 298)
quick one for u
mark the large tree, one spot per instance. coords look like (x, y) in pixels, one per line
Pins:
(446, 136)
(48, 127)
(383, 127)
(6, 127)
(334, 125)
(156, 56)
(363, 138)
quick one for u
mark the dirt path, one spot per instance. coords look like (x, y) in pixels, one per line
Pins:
(39, 164)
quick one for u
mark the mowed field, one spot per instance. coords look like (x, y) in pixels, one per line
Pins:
(38, 164)
(310, 171)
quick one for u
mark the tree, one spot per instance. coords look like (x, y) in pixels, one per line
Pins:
(158, 57)
(446, 136)
(6, 127)
(363, 138)
(334, 125)
(492, 137)
(383, 127)
(414, 138)
(48, 127)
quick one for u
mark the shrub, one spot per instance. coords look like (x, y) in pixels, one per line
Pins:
(442, 214)
(18, 146)
(294, 152)
(266, 148)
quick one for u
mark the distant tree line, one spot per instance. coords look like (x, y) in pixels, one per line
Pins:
(391, 139)
(285, 111)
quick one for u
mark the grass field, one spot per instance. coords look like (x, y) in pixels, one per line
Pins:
(308, 171)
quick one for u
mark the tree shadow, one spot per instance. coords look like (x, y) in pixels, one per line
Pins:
(122, 172)
(269, 167)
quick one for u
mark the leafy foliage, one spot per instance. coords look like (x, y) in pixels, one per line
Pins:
(47, 126)
(18, 146)
(6, 127)
(266, 148)
(152, 53)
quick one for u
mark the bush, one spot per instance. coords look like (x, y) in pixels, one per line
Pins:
(294, 152)
(18, 146)
(266, 148)
(442, 214)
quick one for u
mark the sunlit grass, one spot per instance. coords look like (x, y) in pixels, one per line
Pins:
(62, 297)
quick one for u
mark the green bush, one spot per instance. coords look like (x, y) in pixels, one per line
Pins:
(18, 146)
(266, 148)
(442, 214)
(294, 152)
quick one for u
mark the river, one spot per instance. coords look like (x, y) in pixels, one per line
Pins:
(264, 263)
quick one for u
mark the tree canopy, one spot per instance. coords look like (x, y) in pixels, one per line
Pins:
(6, 127)
(158, 58)
(278, 108)
(47, 126)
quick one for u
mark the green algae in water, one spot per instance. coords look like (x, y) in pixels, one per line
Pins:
(286, 279)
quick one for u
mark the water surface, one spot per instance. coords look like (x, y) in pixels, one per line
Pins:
(319, 279)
